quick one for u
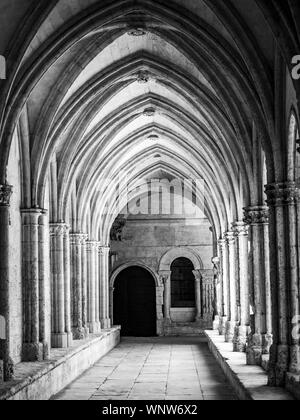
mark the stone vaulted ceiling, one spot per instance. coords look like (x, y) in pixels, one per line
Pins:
(132, 88)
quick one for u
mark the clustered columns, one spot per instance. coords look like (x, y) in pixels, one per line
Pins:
(232, 289)
(224, 292)
(6, 363)
(242, 330)
(79, 283)
(93, 287)
(233, 292)
(61, 336)
(260, 338)
(284, 205)
(35, 348)
(104, 286)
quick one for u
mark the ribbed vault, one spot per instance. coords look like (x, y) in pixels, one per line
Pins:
(133, 87)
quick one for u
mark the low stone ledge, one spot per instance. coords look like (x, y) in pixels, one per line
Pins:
(249, 382)
(42, 380)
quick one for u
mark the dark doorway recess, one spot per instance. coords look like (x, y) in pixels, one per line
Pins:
(182, 284)
(135, 303)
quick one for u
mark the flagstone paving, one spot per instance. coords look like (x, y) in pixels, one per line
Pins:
(153, 369)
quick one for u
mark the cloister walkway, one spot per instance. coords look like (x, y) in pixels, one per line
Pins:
(153, 369)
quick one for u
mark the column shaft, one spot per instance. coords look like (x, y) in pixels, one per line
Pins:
(233, 317)
(242, 330)
(32, 347)
(7, 365)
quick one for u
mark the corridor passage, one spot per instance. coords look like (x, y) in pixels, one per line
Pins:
(153, 369)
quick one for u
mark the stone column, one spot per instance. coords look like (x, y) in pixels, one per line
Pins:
(198, 278)
(217, 293)
(97, 288)
(77, 239)
(61, 334)
(6, 363)
(165, 278)
(225, 301)
(242, 330)
(233, 316)
(104, 286)
(43, 280)
(260, 339)
(67, 278)
(33, 349)
(285, 351)
(92, 256)
(84, 284)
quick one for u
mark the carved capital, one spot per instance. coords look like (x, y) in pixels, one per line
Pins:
(164, 276)
(230, 238)
(92, 246)
(58, 229)
(5, 194)
(240, 229)
(222, 244)
(282, 194)
(78, 238)
(103, 250)
(198, 275)
(256, 215)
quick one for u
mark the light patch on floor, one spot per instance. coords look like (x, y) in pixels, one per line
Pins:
(153, 369)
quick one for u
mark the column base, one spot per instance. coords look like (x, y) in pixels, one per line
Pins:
(230, 330)
(254, 350)
(216, 323)
(94, 327)
(33, 352)
(240, 339)
(295, 360)
(80, 333)
(222, 325)
(279, 365)
(106, 323)
(46, 351)
(61, 340)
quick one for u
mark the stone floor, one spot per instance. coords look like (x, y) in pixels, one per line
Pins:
(153, 369)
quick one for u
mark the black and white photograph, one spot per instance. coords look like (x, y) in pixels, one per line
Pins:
(149, 203)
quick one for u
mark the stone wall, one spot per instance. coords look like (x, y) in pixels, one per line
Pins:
(147, 240)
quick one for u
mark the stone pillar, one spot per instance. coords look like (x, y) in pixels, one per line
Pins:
(165, 278)
(198, 278)
(77, 240)
(260, 339)
(285, 351)
(225, 301)
(217, 294)
(43, 280)
(104, 286)
(233, 315)
(84, 284)
(92, 256)
(67, 278)
(242, 330)
(33, 349)
(6, 363)
(61, 334)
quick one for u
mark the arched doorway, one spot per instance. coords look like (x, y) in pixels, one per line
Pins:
(135, 302)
